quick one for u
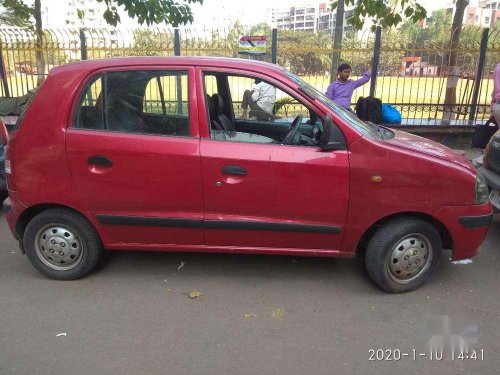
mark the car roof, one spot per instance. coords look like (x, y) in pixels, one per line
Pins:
(90, 65)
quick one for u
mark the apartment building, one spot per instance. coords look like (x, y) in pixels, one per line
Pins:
(311, 17)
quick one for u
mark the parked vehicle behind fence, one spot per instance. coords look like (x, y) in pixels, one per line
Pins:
(152, 154)
(491, 169)
(4, 138)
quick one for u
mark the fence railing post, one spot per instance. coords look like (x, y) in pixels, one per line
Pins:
(479, 76)
(376, 56)
(177, 52)
(83, 45)
(274, 46)
(177, 43)
(3, 73)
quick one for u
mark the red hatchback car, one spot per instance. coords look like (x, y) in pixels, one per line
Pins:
(157, 154)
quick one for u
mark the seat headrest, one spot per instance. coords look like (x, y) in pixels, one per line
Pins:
(218, 103)
(210, 106)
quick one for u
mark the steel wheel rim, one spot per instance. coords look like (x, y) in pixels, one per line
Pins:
(59, 247)
(409, 258)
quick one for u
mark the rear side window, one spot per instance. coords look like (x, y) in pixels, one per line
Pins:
(144, 102)
(90, 112)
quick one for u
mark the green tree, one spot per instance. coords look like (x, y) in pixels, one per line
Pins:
(384, 13)
(151, 43)
(15, 13)
(451, 84)
(151, 11)
(304, 52)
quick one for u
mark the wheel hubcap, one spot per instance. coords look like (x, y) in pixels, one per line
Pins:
(59, 247)
(409, 258)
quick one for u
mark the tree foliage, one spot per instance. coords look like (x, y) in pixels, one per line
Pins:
(384, 13)
(175, 13)
(151, 11)
(15, 13)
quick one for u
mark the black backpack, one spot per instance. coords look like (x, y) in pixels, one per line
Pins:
(369, 109)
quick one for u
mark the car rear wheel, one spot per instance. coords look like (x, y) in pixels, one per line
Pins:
(62, 244)
(403, 254)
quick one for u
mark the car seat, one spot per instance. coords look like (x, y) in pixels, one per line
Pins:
(221, 118)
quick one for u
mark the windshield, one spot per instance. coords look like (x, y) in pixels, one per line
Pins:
(369, 129)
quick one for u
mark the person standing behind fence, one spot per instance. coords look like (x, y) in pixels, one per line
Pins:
(495, 95)
(340, 91)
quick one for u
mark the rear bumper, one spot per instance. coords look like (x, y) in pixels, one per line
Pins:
(3, 183)
(468, 226)
(13, 209)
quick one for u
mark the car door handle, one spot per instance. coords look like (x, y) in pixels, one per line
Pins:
(100, 160)
(234, 169)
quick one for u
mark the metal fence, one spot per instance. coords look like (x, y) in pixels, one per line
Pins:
(409, 74)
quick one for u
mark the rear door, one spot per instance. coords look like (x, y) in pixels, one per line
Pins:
(134, 154)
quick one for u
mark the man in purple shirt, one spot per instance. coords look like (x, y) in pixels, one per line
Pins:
(340, 91)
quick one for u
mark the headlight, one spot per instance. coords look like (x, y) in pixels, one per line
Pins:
(482, 192)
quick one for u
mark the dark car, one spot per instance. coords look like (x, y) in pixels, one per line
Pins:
(491, 169)
(4, 137)
(10, 109)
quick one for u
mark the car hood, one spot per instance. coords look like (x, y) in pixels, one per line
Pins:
(428, 147)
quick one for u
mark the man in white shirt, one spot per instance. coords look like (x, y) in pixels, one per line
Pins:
(260, 100)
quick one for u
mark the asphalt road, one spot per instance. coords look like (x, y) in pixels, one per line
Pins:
(257, 315)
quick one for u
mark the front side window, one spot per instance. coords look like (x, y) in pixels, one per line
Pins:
(253, 110)
(143, 102)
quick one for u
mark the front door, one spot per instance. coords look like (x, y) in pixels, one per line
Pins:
(259, 193)
(134, 155)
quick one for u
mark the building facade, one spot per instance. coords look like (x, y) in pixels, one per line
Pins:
(311, 17)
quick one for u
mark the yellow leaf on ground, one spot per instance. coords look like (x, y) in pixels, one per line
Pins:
(278, 313)
(195, 294)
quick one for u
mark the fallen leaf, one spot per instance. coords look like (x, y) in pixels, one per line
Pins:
(195, 294)
(251, 315)
(278, 313)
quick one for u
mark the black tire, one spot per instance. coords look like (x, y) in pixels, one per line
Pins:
(62, 244)
(403, 254)
(3, 196)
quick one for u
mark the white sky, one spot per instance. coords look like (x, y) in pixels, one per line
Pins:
(219, 13)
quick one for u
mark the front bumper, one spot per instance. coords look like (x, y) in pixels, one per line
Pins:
(493, 181)
(468, 226)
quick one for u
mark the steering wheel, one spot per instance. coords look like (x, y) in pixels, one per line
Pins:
(293, 130)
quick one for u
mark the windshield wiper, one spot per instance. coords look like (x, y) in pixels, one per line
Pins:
(377, 127)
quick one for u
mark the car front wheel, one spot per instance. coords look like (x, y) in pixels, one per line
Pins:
(62, 244)
(403, 254)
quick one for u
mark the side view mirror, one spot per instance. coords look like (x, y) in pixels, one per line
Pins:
(331, 138)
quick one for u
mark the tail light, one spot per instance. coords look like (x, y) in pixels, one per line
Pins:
(4, 135)
(9, 165)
